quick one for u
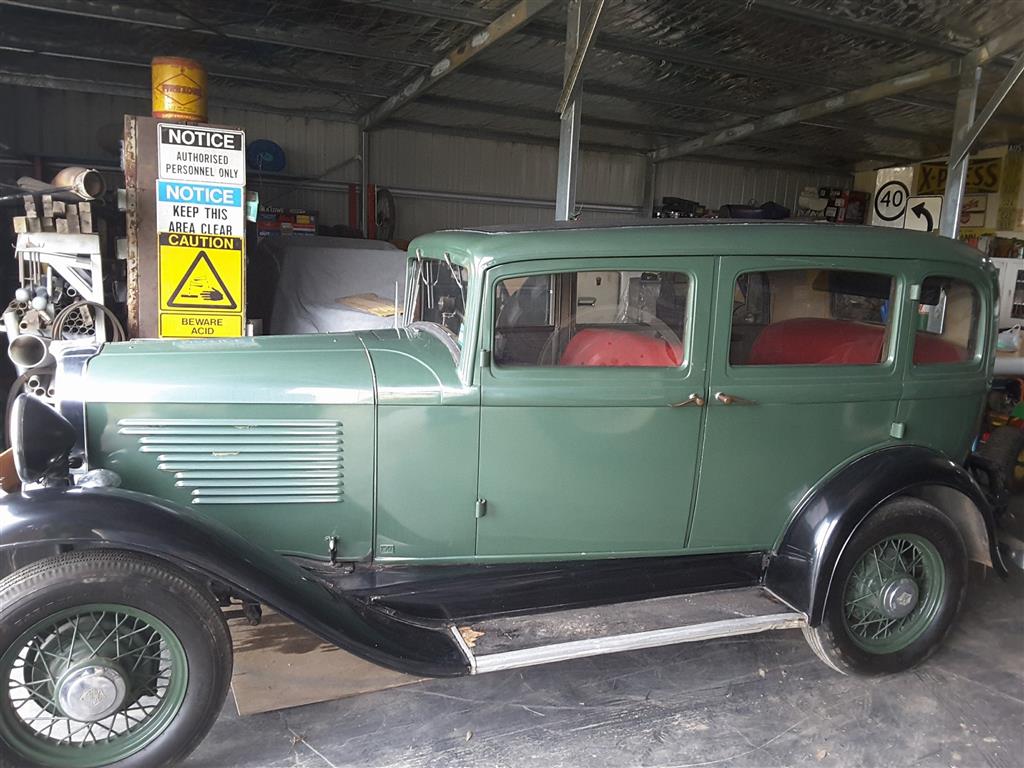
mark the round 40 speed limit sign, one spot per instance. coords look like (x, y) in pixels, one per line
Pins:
(891, 204)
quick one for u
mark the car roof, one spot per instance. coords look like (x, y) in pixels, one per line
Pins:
(489, 246)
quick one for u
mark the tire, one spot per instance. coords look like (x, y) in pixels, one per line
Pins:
(145, 643)
(861, 631)
(1003, 450)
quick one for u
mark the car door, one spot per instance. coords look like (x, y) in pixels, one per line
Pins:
(803, 376)
(589, 434)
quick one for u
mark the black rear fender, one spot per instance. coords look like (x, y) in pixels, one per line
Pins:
(801, 567)
(46, 522)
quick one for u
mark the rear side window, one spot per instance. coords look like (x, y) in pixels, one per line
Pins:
(810, 317)
(949, 315)
(622, 319)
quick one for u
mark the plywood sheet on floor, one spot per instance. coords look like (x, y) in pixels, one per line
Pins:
(278, 664)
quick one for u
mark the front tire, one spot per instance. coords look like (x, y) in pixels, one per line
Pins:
(108, 659)
(896, 590)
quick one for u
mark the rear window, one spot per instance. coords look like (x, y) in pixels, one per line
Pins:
(810, 317)
(949, 315)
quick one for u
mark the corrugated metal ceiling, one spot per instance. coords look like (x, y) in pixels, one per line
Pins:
(661, 70)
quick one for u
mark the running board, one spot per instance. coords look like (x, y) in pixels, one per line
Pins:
(526, 641)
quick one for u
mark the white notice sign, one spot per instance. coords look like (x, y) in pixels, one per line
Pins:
(200, 209)
(891, 204)
(197, 153)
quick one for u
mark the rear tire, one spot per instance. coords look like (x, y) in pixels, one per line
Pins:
(895, 592)
(1004, 450)
(108, 659)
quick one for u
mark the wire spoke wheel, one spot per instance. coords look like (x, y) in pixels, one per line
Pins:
(91, 685)
(893, 593)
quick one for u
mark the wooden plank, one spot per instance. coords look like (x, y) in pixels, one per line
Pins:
(278, 665)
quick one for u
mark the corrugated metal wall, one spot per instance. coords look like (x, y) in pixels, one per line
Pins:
(717, 184)
(87, 126)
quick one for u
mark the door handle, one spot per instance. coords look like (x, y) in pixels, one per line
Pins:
(693, 399)
(725, 399)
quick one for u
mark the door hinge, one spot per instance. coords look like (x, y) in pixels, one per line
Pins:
(481, 508)
(898, 430)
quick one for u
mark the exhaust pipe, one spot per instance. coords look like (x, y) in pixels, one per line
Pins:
(71, 184)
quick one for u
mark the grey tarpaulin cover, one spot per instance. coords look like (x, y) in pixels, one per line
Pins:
(317, 273)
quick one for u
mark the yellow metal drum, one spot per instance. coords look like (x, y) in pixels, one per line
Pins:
(179, 89)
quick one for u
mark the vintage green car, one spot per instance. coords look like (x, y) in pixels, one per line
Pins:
(583, 439)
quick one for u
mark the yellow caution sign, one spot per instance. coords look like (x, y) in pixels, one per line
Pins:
(201, 285)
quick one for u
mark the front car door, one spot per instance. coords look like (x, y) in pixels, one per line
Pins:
(804, 375)
(581, 450)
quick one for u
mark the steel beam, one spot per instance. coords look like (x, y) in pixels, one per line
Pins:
(572, 74)
(143, 92)
(569, 124)
(333, 42)
(650, 185)
(996, 46)
(506, 24)
(964, 146)
(638, 127)
(364, 183)
(437, 9)
(55, 50)
(669, 99)
(956, 170)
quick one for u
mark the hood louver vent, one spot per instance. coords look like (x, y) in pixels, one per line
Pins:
(257, 461)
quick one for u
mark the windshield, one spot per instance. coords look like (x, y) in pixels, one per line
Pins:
(440, 295)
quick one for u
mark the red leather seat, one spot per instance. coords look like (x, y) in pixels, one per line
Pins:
(604, 347)
(822, 341)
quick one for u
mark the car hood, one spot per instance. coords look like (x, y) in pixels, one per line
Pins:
(395, 366)
(314, 369)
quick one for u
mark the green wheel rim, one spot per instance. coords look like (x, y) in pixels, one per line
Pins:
(893, 593)
(131, 645)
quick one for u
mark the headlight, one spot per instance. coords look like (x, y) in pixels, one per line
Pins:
(42, 440)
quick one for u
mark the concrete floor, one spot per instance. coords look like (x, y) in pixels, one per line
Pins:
(757, 701)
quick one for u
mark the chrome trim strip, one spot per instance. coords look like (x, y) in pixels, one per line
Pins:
(464, 647)
(578, 649)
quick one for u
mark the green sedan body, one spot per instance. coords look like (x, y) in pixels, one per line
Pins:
(386, 440)
(576, 440)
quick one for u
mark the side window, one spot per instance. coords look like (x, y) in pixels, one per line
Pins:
(810, 317)
(949, 315)
(581, 319)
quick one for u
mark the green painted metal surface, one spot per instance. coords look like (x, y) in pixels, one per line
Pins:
(387, 439)
(759, 460)
(593, 461)
(271, 436)
(696, 239)
(427, 482)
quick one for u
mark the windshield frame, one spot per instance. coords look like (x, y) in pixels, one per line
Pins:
(463, 345)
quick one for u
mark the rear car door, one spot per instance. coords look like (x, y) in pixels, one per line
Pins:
(803, 376)
(581, 451)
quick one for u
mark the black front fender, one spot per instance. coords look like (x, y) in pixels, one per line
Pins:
(45, 522)
(801, 568)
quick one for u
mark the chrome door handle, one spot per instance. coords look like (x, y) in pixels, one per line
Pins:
(693, 399)
(725, 399)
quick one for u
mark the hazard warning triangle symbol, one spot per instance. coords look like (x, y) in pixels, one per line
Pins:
(202, 288)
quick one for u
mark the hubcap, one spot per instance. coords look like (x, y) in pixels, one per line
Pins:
(91, 693)
(899, 597)
(893, 593)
